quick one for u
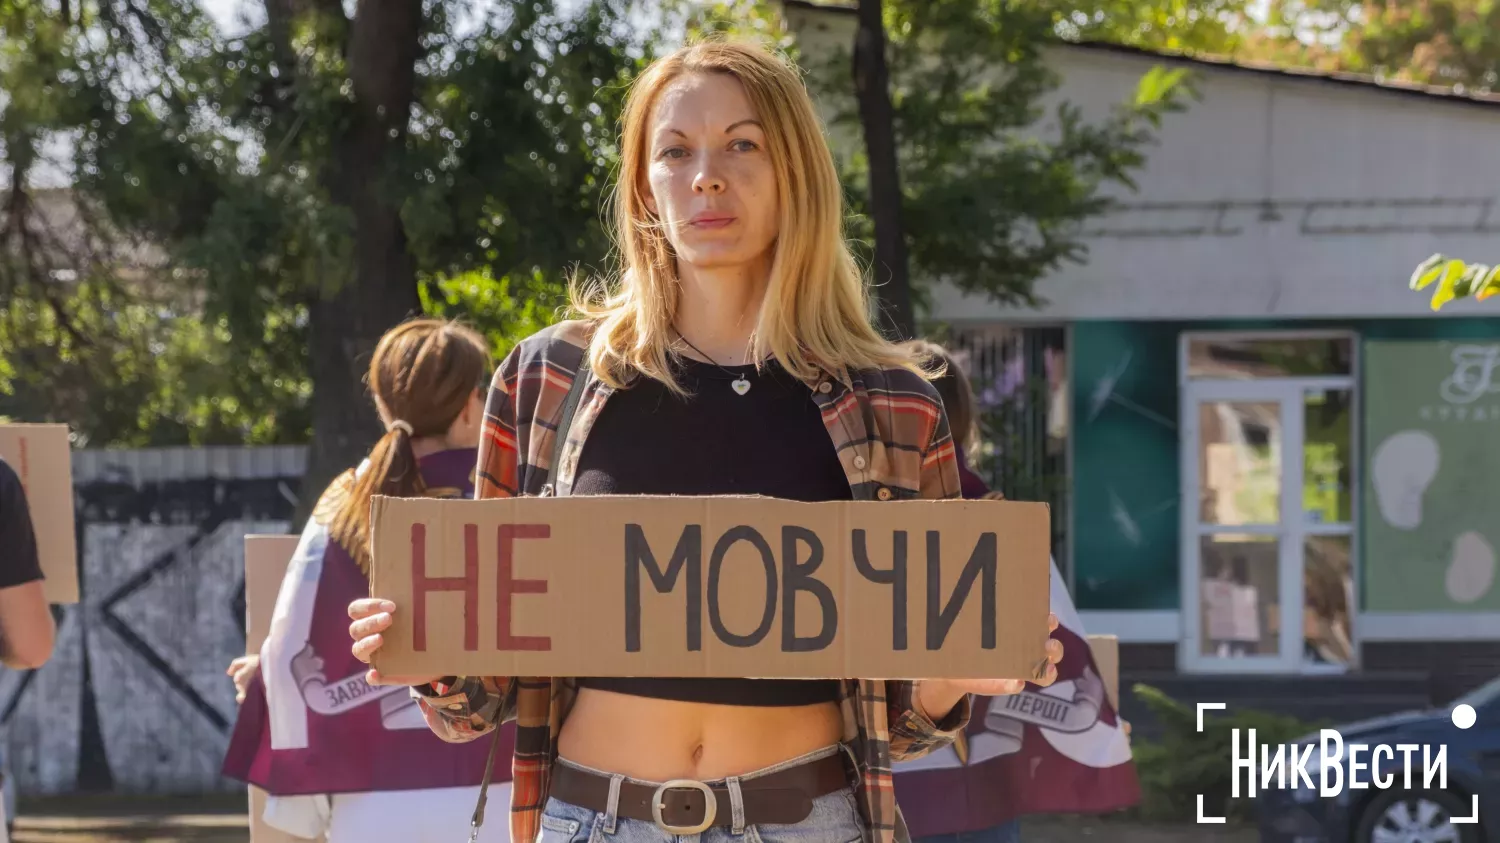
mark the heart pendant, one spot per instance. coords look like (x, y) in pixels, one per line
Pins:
(741, 386)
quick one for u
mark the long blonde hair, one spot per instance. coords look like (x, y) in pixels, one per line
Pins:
(816, 315)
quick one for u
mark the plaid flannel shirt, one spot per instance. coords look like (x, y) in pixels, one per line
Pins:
(892, 437)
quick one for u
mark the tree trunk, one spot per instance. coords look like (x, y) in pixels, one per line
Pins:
(872, 84)
(384, 46)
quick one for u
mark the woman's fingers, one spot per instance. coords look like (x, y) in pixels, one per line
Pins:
(1050, 677)
(372, 625)
(1054, 651)
(364, 648)
(366, 606)
(375, 677)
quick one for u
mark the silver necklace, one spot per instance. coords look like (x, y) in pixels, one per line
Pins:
(740, 384)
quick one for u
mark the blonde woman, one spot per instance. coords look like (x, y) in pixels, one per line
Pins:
(734, 355)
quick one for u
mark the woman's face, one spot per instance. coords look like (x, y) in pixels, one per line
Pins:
(709, 176)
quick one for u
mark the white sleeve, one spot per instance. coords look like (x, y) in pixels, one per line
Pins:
(291, 626)
(305, 817)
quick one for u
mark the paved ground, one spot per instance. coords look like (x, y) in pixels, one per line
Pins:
(132, 820)
(222, 820)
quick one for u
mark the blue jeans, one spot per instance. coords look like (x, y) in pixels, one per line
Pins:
(1007, 833)
(835, 818)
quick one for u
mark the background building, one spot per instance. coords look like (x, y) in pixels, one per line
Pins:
(1268, 458)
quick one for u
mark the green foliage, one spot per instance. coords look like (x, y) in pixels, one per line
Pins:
(152, 376)
(1185, 762)
(1443, 42)
(755, 20)
(1456, 279)
(991, 203)
(505, 310)
(227, 160)
(210, 201)
(1193, 26)
(1436, 42)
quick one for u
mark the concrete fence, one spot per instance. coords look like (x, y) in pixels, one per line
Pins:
(135, 698)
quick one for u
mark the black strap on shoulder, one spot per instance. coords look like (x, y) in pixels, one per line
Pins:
(565, 421)
(560, 439)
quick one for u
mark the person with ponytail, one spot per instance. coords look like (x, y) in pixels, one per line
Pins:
(344, 760)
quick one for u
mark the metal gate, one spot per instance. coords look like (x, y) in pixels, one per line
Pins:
(1020, 381)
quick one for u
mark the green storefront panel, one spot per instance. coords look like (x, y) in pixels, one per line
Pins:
(1125, 455)
(1127, 459)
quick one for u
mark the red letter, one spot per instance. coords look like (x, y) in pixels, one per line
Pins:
(510, 586)
(422, 585)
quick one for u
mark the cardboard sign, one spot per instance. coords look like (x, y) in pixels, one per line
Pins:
(41, 456)
(1106, 652)
(266, 561)
(713, 587)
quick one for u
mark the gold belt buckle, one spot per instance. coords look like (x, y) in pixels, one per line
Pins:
(710, 806)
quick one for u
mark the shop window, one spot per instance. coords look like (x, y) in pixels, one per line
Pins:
(1255, 358)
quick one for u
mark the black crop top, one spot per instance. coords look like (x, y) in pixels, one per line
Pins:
(770, 441)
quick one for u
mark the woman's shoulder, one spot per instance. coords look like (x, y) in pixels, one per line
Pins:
(569, 333)
(333, 497)
(560, 344)
(898, 382)
(904, 408)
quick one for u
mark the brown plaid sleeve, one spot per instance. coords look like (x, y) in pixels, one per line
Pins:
(940, 479)
(913, 734)
(467, 709)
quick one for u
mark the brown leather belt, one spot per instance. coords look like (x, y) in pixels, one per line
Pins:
(690, 807)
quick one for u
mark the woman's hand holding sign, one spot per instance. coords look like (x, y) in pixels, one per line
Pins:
(937, 697)
(371, 617)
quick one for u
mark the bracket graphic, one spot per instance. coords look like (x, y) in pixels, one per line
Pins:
(1201, 708)
(1469, 820)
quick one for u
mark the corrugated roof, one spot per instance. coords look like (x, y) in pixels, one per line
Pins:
(1447, 94)
(147, 465)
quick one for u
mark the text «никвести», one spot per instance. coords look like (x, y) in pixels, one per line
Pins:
(1335, 764)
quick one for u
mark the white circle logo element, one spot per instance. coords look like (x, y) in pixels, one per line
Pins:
(1464, 716)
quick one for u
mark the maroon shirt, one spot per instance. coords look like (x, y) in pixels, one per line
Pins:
(351, 745)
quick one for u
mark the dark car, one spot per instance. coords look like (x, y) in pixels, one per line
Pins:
(1398, 814)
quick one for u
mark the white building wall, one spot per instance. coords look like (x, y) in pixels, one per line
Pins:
(1272, 196)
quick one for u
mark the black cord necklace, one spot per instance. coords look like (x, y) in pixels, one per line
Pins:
(740, 384)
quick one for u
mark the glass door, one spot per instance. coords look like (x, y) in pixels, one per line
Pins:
(1267, 526)
(1242, 566)
(1327, 526)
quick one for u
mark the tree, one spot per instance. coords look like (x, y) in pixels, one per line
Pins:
(311, 183)
(93, 329)
(892, 281)
(1215, 27)
(421, 154)
(984, 206)
(1435, 42)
